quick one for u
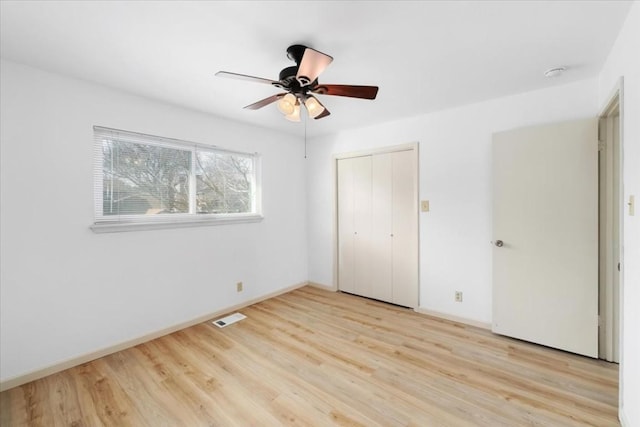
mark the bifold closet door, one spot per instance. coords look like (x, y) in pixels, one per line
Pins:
(378, 227)
(362, 248)
(354, 225)
(405, 229)
(394, 238)
(346, 226)
(382, 227)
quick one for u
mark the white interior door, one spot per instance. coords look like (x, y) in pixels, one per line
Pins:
(545, 216)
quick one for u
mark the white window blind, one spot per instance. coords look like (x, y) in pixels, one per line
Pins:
(143, 179)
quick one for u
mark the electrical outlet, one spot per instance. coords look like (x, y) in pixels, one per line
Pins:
(239, 287)
(458, 296)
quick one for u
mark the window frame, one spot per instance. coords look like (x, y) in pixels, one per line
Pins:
(117, 223)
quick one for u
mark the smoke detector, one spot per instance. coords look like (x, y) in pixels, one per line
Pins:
(554, 72)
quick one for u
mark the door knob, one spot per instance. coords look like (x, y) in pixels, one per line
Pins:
(499, 243)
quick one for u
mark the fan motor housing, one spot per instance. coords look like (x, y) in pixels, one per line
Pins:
(288, 81)
(288, 74)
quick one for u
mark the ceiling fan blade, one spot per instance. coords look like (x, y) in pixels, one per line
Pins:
(265, 102)
(312, 64)
(245, 77)
(325, 113)
(364, 92)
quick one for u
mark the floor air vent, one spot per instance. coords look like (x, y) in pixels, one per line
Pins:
(226, 321)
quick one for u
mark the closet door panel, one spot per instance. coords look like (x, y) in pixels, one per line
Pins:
(381, 228)
(362, 225)
(346, 229)
(405, 229)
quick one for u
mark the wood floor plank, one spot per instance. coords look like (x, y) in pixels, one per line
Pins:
(312, 357)
(494, 375)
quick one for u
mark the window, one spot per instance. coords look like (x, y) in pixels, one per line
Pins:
(144, 181)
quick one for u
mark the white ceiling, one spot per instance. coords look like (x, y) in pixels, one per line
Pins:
(424, 56)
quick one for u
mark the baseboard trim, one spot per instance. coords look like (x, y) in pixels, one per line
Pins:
(453, 318)
(75, 361)
(323, 287)
(622, 417)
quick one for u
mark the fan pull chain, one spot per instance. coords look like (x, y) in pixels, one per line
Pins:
(305, 136)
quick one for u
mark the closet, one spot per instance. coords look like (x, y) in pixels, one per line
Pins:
(378, 226)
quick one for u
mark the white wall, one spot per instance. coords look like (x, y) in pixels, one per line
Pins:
(66, 291)
(624, 61)
(455, 175)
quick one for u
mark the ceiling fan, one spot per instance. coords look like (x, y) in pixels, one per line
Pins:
(300, 83)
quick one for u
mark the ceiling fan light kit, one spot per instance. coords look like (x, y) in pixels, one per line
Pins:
(314, 108)
(300, 83)
(295, 115)
(287, 104)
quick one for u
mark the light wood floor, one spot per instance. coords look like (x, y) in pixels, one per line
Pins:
(314, 358)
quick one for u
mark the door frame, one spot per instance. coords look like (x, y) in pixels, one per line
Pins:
(411, 146)
(617, 94)
(610, 222)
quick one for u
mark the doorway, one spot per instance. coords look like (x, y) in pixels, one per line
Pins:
(610, 199)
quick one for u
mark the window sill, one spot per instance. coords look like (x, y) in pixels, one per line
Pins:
(117, 227)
